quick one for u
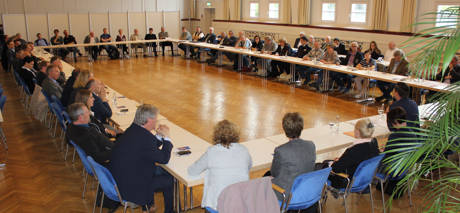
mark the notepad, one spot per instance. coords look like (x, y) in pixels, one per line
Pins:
(350, 133)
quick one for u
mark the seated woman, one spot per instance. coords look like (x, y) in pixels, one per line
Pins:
(227, 162)
(400, 134)
(85, 96)
(257, 45)
(80, 80)
(368, 63)
(365, 147)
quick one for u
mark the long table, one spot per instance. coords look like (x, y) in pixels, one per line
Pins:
(327, 138)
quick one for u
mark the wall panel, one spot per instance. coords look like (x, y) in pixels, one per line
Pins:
(99, 21)
(118, 21)
(58, 21)
(79, 25)
(171, 20)
(155, 20)
(137, 21)
(37, 24)
(14, 23)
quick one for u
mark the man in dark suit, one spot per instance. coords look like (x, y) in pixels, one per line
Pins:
(399, 66)
(339, 47)
(152, 45)
(452, 72)
(134, 159)
(401, 95)
(70, 39)
(50, 85)
(87, 137)
(10, 55)
(28, 74)
(297, 40)
(293, 158)
(354, 57)
(279, 67)
(41, 72)
(101, 107)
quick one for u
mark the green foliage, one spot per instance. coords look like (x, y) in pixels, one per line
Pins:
(425, 150)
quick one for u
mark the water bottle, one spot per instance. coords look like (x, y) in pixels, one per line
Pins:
(337, 125)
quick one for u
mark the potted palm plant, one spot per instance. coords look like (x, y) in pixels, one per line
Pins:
(433, 48)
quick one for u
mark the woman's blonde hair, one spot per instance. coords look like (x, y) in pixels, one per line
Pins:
(82, 79)
(365, 128)
(225, 133)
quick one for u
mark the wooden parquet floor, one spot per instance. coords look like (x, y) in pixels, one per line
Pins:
(194, 96)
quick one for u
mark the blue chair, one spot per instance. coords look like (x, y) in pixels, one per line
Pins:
(57, 101)
(108, 185)
(87, 167)
(381, 177)
(307, 190)
(2, 134)
(361, 181)
(49, 101)
(210, 210)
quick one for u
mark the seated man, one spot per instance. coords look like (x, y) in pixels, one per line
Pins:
(162, 35)
(152, 36)
(101, 107)
(135, 157)
(327, 42)
(398, 66)
(93, 51)
(278, 67)
(41, 41)
(354, 57)
(50, 85)
(389, 54)
(242, 43)
(123, 47)
(329, 57)
(297, 40)
(86, 136)
(185, 36)
(41, 72)
(368, 63)
(315, 54)
(135, 37)
(339, 47)
(70, 39)
(302, 50)
(28, 74)
(294, 157)
(57, 61)
(111, 50)
(198, 36)
(401, 95)
(210, 38)
(58, 40)
(452, 73)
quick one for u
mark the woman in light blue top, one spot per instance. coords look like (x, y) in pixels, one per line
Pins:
(226, 163)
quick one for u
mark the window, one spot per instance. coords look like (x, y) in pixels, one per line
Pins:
(446, 16)
(358, 13)
(254, 10)
(274, 10)
(328, 12)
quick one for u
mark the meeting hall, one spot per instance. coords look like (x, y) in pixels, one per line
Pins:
(229, 106)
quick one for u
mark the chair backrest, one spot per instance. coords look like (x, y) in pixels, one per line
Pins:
(83, 158)
(47, 97)
(2, 102)
(57, 101)
(365, 173)
(106, 180)
(210, 210)
(58, 112)
(307, 189)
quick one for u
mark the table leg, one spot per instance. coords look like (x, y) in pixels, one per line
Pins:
(191, 198)
(325, 86)
(187, 51)
(240, 62)
(185, 198)
(219, 58)
(292, 71)
(366, 93)
(264, 67)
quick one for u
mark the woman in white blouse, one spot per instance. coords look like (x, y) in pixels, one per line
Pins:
(226, 163)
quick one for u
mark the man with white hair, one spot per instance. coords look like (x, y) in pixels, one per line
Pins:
(297, 40)
(136, 37)
(210, 37)
(93, 51)
(399, 66)
(390, 51)
(162, 35)
(135, 158)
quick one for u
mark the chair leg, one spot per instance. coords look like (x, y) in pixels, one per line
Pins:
(409, 191)
(84, 185)
(66, 151)
(95, 198)
(3, 138)
(372, 201)
(383, 195)
(345, 203)
(319, 206)
(125, 207)
(73, 157)
(102, 202)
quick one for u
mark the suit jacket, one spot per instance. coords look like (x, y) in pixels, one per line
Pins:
(402, 69)
(67, 90)
(258, 46)
(28, 77)
(290, 160)
(358, 58)
(102, 110)
(286, 51)
(302, 50)
(297, 43)
(52, 88)
(88, 39)
(454, 73)
(341, 49)
(210, 38)
(91, 141)
(133, 163)
(354, 155)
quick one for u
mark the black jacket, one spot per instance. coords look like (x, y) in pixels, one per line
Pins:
(297, 43)
(91, 141)
(286, 51)
(411, 109)
(358, 58)
(258, 46)
(67, 90)
(302, 50)
(133, 163)
(454, 73)
(102, 110)
(70, 39)
(341, 49)
(210, 38)
(29, 78)
(354, 155)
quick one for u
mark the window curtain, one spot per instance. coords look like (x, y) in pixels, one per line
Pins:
(304, 11)
(236, 10)
(192, 9)
(408, 16)
(226, 9)
(287, 11)
(380, 21)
